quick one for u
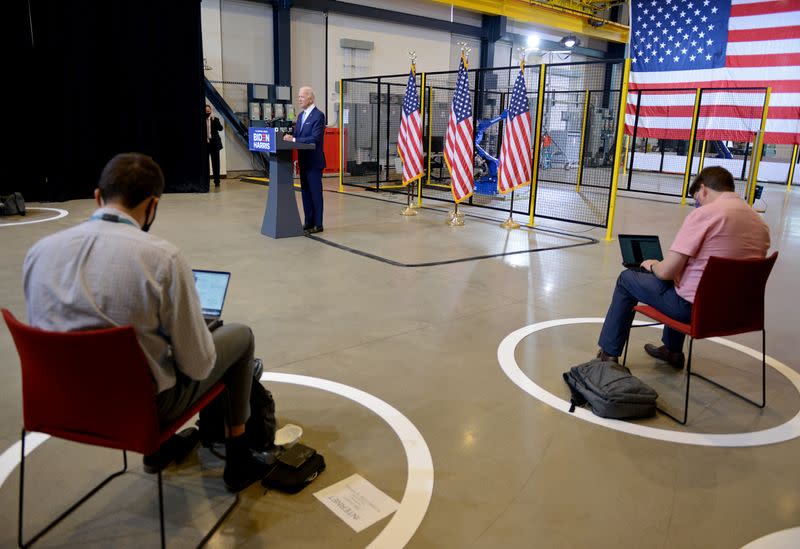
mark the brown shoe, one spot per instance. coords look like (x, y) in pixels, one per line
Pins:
(604, 356)
(676, 360)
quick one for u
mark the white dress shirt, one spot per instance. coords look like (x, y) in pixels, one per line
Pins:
(101, 273)
(306, 112)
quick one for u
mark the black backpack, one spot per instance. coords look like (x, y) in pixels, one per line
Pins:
(12, 204)
(260, 426)
(611, 390)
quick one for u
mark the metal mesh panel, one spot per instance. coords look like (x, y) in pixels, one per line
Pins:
(659, 128)
(728, 124)
(371, 118)
(490, 98)
(659, 142)
(360, 138)
(579, 117)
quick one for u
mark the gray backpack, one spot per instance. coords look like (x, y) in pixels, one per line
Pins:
(611, 390)
(13, 204)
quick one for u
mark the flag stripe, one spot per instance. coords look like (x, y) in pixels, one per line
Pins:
(757, 76)
(775, 33)
(775, 113)
(777, 86)
(763, 21)
(785, 60)
(790, 45)
(762, 8)
(729, 135)
(715, 96)
(655, 123)
(516, 152)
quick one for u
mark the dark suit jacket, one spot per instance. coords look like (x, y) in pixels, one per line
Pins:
(313, 131)
(215, 143)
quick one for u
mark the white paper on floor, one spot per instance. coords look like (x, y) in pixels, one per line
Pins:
(357, 502)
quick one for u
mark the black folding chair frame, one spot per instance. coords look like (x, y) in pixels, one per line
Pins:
(92, 492)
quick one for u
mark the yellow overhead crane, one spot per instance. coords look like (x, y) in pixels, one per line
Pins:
(576, 16)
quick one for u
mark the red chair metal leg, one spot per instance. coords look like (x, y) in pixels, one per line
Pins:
(686, 396)
(627, 341)
(97, 488)
(66, 513)
(763, 402)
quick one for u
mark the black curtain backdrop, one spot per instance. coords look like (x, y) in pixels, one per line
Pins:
(103, 77)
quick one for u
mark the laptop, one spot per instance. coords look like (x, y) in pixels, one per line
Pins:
(636, 248)
(211, 287)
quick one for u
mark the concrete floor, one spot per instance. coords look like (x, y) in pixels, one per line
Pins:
(509, 471)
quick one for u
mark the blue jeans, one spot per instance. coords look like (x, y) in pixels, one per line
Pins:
(632, 288)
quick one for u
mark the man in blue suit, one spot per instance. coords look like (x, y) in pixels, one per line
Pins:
(310, 128)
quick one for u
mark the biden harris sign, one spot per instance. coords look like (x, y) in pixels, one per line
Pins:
(262, 139)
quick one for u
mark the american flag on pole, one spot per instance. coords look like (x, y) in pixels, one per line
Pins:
(409, 141)
(679, 45)
(458, 148)
(515, 153)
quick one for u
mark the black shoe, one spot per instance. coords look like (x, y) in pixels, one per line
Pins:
(243, 467)
(605, 357)
(307, 227)
(315, 229)
(176, 448)
(676, 360)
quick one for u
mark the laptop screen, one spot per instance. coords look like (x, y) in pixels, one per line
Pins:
(211, 287)
(637, 248)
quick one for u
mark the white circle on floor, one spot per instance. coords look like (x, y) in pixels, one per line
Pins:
(419, 485)
(59, 214)
(773, 435)
(784, 539)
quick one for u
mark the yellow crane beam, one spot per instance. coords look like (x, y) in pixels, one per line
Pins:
(530, 11)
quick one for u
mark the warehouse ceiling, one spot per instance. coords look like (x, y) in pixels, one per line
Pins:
(586, 17)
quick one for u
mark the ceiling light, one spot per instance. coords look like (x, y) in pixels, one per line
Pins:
(570, 41)
(533, 41)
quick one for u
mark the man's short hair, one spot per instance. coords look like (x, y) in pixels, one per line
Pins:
(715, 178)
(130, 178)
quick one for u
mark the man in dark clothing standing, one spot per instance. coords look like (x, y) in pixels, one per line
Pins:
(214, 142)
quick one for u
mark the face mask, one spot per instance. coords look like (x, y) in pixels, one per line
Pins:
(148, 224)
(697, 203)
(208, 114)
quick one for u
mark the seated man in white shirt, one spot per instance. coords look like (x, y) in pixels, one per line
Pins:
(109, 271)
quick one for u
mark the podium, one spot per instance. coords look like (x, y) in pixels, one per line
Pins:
(281, 218)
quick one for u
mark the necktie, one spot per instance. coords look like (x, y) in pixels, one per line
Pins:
(300, 120)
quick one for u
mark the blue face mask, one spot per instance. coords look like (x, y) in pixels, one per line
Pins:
(697, 203)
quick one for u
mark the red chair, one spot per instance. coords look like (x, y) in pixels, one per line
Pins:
(729, 300)
(93, 387)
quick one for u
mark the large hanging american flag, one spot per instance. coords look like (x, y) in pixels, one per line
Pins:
(680, 45)
(409, 141)
(515, 153)
(458, 148)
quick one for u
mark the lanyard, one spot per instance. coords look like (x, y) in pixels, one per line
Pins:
(113, 218)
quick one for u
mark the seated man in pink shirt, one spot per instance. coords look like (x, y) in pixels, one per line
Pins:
(723, 225)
